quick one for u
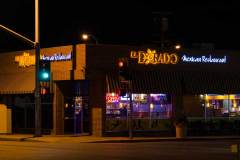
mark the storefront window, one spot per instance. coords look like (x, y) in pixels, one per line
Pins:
(145, 106)
(224, 105)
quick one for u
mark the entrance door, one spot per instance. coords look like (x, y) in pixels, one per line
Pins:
(76, 115)
(76, 112)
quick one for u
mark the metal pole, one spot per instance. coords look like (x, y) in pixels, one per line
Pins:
(205, 108)
(82, 118)
(130, 114)
(238, 153)
(229, 106)
(36, 21)
(37, 87)
(37, 94)
(17, 35)
(130, 101)
(75, 117)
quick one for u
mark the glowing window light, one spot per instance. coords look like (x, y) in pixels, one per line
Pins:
(208, 105)
(234, 104)
(142, 96)
(120, 105)
(151, 106)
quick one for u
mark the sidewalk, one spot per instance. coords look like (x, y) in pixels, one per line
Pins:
(93, 139)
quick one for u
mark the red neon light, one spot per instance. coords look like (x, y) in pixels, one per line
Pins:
(112, 98)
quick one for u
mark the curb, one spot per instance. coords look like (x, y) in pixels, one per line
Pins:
(32, 139)
(11, 139)
(27, 139)
(164, 140)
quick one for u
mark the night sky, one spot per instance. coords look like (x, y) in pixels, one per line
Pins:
(123, 22)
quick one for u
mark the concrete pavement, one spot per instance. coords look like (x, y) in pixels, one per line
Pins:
(93, 139)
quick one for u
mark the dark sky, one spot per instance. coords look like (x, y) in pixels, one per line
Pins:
(123, 22)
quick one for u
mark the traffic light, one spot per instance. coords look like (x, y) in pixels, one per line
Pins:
(44, 71)
(45, 88)
(123, 70)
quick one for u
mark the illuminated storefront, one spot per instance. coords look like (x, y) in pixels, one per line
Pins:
(157, 106)
(217, 105)
(85, 87)
(160, 79)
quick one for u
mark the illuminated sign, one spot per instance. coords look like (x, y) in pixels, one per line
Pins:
(140, 98)
(57, 57)
(125, 98)
(203, 59)
(25, 60)
(112, 98)
(152, 57)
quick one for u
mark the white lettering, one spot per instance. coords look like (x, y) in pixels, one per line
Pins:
(57, 57)
(203, 59)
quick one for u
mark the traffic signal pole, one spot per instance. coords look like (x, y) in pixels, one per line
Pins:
(36, 45)
(38, 114)
(131, 110)
(125, 78)
(37, 94)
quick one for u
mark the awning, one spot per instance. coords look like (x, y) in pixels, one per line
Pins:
(148, 82)
(156, 82)
(17, 83)
(179, 82)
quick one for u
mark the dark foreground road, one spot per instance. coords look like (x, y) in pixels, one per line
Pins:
(73, 150)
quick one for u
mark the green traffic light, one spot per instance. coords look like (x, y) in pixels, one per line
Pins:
(45, 75)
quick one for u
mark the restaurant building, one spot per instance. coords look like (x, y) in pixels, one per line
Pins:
(84, 92)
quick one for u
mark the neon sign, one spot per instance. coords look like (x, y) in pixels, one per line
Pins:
(152, 57)
(57, 57)
(203, 59)
(25, 60)
(112, 98)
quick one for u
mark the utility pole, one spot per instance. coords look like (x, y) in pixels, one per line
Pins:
(36, 45)
(38, 115)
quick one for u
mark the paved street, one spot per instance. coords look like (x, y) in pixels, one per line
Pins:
(73, 150)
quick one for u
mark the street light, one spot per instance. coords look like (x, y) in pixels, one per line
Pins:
(178, 46)
(86, 36)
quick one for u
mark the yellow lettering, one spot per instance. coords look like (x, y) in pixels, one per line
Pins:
(174, 59)
(166, 58)
(25, 60)
(161, 58)
(133, 54)
(155, 59)
(152, 57)
(141, 57)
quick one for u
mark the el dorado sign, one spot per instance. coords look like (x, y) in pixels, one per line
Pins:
(152, 57)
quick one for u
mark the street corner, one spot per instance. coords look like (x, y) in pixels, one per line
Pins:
(10, 137)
